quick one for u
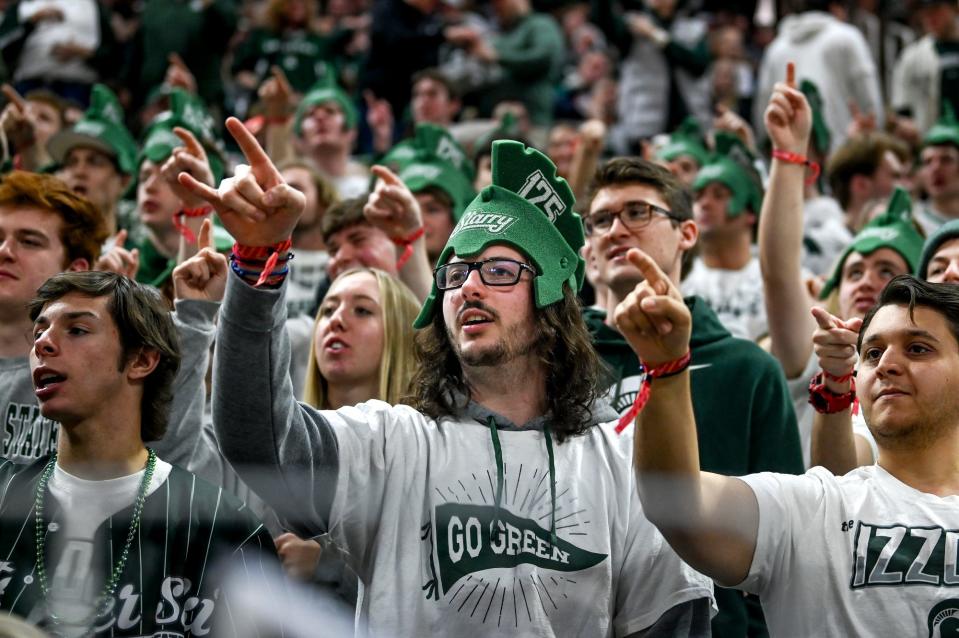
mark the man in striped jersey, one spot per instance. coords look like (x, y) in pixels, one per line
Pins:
(103, 537)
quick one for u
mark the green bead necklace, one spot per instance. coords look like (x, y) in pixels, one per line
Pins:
(110, 588)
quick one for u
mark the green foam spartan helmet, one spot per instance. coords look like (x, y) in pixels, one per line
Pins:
(821, 135)
(432, 158)
(529, 208)
(685, 140)
(893, 229)
(945, 131)
(101, 127)
(186, 111)
(325, 90)
(731, 166)
(431, 140)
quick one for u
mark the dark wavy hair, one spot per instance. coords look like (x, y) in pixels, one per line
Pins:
(575, 375)
(142, 320)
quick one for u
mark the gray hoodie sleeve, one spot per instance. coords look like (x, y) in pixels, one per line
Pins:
(194, 326)
(284, 450)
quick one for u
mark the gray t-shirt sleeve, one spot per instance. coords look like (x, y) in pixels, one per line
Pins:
(284, 450)
(195, 328)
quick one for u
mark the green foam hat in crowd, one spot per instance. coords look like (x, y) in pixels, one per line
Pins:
(529, 208)
(433, 140)
(946, 232)
(426, 171)
(945, 130)
(731, 166)
(821, 135)
(685, 140)
(102, 128)
(893, 229)
(186, 111)
(325, 90)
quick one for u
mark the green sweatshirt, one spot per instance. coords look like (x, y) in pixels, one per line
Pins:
(301, 54)
(744, 419)
(199, 31)
(530, 52)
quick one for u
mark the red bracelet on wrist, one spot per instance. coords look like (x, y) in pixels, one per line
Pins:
(839, 379)
(258, 253)
(178, 216)
(668, 369)
(407, 244)
(795, 158)
(825, 401)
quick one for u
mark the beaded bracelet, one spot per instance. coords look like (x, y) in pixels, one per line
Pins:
(252, 254)
(662, 371)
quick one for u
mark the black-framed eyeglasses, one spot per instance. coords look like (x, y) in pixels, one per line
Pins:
(634, 215)
(493, 272)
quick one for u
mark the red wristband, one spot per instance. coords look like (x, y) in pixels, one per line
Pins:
(668, 369)
(795, 158)
(178, 216)
(840, 379)
(407, 244)
(825, 401)
(257, 253)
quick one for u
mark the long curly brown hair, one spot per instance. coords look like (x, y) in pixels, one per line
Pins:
(574, 372)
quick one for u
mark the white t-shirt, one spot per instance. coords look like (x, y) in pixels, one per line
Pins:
(858, 555)
(84, 506)
(736, 296)
(414, 503)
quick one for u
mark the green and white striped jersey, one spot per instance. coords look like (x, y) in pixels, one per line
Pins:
(189, 531)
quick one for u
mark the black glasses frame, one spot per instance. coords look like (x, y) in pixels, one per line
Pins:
(650, 208)
(478, 265)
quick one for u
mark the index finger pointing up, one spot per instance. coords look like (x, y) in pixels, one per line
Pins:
(11, 94)
(260, 163)
(386, 175)
(205, 240)
(791, 75)
(189, 141)
(652, 273)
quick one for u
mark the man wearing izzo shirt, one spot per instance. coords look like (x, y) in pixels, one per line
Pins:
(500, 504)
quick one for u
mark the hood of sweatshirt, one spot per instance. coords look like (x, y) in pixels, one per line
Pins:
(803, 27)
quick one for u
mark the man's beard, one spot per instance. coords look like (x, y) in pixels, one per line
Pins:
(515, 343)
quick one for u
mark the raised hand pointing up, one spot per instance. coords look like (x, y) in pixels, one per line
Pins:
(256, 205)
(788, 117)
(653, 317)
(202, 276)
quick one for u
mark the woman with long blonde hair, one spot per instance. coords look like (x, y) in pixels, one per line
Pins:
(362, 346)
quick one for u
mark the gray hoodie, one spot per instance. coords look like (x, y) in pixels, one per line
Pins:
(833, 55)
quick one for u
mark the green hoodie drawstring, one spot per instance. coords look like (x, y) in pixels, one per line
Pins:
(552, 484)
(498, 454)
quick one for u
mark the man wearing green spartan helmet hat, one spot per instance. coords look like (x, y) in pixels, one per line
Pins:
(726, 274)
(97, 155)
(510, 509)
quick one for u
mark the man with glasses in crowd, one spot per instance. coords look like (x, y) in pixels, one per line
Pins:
(745, 418)
(496, 503)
